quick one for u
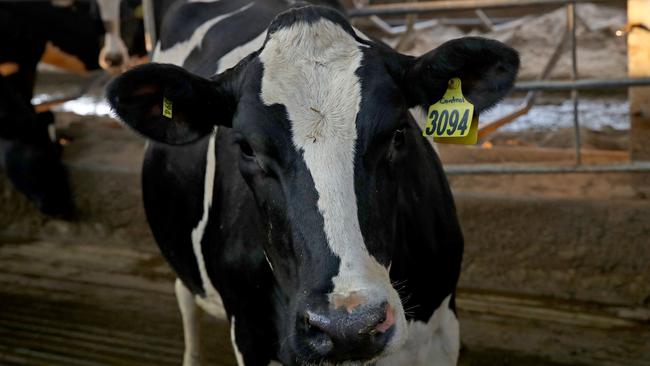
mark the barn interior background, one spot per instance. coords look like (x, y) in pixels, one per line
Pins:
(555, 205)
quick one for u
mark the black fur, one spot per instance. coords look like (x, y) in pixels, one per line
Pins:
(487, 69)
(264, 200)
(32, 161)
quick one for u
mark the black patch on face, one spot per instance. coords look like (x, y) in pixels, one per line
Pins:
(381, 114)
(310, 14)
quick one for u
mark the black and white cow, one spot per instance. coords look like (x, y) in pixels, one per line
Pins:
(287, 177)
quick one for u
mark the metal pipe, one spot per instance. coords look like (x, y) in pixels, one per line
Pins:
(531, 97)
(404, 42)
(457, 169)
(487, 22)
(581, 84)
(523, 109)
(150, 36)
(473, 21)
(395, 30)
(571, 26)
(451, 5)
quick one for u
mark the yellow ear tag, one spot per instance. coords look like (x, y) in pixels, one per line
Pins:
(167, 108)
(451, 120)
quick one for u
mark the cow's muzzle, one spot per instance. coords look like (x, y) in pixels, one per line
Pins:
(342, 334)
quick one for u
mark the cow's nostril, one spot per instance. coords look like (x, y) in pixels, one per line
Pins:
(378, 321)
(387, 321)
(318, 335)
(317, 321)
(114, 59)
(337, 334)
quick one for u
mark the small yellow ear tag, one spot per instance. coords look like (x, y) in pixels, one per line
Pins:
(451, 119)
(167, 108)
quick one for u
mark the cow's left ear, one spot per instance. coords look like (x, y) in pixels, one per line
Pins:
(487, 70)
(168, 104)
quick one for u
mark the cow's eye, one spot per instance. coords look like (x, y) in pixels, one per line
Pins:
(399, 137)
(246, 150)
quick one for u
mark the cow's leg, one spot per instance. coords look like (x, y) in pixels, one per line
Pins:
(250, 346)
(191, 315)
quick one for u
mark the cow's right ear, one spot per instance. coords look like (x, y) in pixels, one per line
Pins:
(168, 104)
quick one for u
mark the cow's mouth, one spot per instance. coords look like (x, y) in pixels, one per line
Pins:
(360, 337)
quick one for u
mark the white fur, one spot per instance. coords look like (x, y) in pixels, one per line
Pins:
(113, 43)
(231, 58)
(197, 234)
(268, 261)
(109, 10)
(212, 305)
(178, 53)
(311, 70)
(238, 356)
(436, 342)
(361, 35)
(191, 325)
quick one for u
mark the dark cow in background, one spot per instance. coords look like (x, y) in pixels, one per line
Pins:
(287, 178)
(32, 31)
(32, 160)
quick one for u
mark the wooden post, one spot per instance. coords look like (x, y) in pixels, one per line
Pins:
(638, 43)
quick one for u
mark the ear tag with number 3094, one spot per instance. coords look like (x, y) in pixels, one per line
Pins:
(451, 119)
(167, 108)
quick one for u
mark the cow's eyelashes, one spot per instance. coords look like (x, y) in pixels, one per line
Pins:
(247, 151)
(399, 137)
(250, 160)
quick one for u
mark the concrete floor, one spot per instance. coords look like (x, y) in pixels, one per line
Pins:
(93, 304)
(70, 303)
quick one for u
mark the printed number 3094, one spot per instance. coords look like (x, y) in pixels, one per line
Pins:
(446, 123)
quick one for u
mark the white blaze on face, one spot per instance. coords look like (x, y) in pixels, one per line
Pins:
(113, 47)
(311, 70)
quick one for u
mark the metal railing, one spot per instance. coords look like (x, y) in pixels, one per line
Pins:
(424, 7)
(533, 87)
(460, 169)
(581, 84)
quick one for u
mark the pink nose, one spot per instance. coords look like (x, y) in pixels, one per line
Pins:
(389, 322)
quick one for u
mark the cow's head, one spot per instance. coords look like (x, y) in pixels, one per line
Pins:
(320, 116)
(114, 55)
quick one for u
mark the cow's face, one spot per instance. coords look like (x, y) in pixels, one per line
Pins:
(320, 117)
